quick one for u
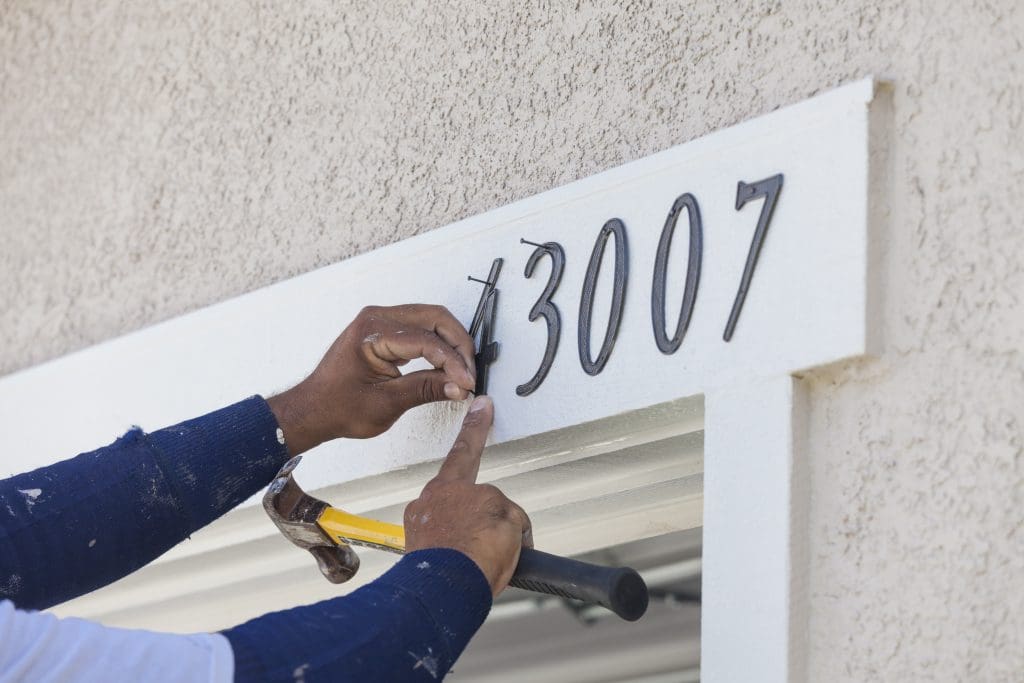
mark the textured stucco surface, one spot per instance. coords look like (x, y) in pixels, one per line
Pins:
(156, 157)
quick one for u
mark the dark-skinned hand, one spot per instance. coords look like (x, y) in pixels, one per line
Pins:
(453, 511)
(357, 390)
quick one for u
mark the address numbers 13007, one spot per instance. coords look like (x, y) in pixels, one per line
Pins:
(482, 326)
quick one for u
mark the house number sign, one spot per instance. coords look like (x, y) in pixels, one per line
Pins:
(631, 292)
(615, 232)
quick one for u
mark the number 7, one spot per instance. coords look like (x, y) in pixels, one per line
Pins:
(769, 188)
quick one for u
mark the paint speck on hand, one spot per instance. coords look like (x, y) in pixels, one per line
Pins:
(428, 662)
(423, 565)
(299, 675)
(280, 436)
(30, 496)
(371, 338)
(92, 542)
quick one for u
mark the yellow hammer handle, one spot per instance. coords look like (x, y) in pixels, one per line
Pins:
(620, 589)
(345, 527)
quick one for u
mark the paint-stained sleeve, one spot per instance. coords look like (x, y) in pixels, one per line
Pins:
(411, 624)
(69, 528)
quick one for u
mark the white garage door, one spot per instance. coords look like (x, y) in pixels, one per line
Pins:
(625, 490)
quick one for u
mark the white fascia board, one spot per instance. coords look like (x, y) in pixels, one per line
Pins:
(806, 304)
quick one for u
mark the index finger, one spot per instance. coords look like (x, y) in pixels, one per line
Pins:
(463, 460)
(441, 321)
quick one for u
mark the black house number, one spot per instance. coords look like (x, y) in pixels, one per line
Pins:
(545, 308)
(614, 231)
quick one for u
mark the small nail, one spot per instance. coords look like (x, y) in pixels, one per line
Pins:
(452, 391)
(479, 403)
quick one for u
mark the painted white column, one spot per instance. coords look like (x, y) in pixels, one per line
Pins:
(753, 611)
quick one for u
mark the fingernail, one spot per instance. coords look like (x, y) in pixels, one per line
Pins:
(479, 403)
(452, 391)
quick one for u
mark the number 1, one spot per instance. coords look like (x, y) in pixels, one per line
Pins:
(482, 327)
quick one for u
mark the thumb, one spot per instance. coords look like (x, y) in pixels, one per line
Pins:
(424, 386)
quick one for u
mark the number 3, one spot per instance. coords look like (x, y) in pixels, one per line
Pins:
(545, 309)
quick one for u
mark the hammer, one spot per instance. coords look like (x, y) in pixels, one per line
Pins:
(329, 534)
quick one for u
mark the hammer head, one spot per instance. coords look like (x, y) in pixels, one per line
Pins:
(296, 513)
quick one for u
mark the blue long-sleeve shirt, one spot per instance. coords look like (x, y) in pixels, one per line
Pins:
(72, 527)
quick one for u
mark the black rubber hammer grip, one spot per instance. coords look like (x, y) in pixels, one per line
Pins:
(620, 589)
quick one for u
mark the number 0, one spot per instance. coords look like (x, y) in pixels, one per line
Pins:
(613, 227)
(688, 202)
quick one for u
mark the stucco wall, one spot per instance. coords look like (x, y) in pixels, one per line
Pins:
(156, 157)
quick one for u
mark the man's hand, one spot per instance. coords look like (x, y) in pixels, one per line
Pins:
(453, 511)
(358, 391)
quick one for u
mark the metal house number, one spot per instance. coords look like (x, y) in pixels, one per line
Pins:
(614, 230)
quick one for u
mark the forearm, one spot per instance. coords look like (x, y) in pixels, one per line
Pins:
(72, 527)
(409, 625)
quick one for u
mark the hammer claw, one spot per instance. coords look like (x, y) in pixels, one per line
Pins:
(338, 563)
(295, 513)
